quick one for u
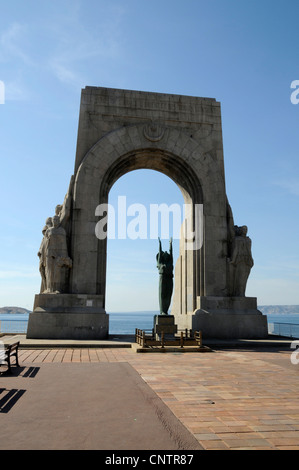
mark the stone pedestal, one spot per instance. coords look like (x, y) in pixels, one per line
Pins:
(68, 316)
(226, 317)
(164, 323)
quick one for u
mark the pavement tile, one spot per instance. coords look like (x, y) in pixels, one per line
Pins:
(247, 443)
(288, 447)
(206, 437)
(273, 427)
(213, 445)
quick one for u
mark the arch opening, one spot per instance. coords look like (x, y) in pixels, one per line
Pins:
(190, 264)
(154, 207)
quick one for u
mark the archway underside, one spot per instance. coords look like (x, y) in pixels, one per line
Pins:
(153, 159)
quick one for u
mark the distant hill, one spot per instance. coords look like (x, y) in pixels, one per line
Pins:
(279, 309)
(13, 310)
(266, 309)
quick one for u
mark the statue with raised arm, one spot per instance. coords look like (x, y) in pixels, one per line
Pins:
(58, 262)
(241, 261)
(165, 267)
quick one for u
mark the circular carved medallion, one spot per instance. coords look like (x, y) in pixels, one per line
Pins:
(153, 132)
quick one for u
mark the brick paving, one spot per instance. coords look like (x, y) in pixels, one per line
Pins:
(228, 399)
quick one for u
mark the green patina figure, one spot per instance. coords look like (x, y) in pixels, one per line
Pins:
(165, 267)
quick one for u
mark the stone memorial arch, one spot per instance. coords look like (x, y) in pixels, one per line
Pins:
(180, 136)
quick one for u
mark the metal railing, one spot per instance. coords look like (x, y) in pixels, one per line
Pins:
(13, 326)
(289, 330)
(147, 338)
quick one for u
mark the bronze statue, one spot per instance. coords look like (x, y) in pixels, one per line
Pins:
(165, 267)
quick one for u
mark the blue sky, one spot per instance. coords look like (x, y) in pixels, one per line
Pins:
(244, 54)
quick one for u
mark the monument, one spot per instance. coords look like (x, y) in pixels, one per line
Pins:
(165, 322)
(181, 136)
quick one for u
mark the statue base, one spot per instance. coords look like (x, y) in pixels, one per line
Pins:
(226, 318)
(68, 316)
(165, 324)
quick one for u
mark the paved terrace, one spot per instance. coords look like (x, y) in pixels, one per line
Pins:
(240, 396)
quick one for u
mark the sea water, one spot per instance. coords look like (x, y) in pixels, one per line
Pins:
(119, 323)
(126, 322)
(13, 323)
(284, 325)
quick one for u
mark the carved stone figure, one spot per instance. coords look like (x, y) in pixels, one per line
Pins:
(165, 267)
(52, 281)
(241, 261)
(42, 254)
(57, 259)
